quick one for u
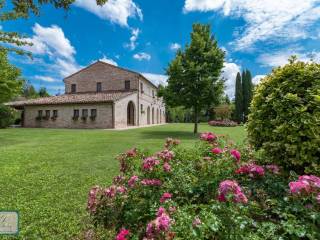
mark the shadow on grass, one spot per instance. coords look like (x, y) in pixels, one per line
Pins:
(165, 134)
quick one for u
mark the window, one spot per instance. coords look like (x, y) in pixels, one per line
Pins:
(47, 114)
(75, 113)
(99, 87)
(141, 88)
(127, 85)
(55, 113)
(84, 113)
(73, 88)
(93, 114)
(153, 93)
(40, 113)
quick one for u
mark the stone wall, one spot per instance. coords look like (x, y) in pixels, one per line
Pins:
(120, 111)
(65, 114)
(146, 100)
(111, 77)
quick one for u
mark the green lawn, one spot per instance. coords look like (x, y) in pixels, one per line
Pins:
(46, 173)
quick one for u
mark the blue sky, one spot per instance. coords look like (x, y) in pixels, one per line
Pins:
(143, 35)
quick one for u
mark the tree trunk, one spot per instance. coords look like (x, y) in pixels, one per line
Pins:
(195, 130)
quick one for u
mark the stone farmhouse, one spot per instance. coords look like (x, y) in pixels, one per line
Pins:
(98, 96)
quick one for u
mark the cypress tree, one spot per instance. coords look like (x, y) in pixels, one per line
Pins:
(246, 92)
(238, 100)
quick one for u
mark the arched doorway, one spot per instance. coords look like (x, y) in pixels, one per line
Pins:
(160, 117)
(130, 114)
(148, 115)
(152, 115)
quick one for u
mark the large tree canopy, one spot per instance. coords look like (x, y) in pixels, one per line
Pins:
(10, 79)
(23, 9)
(194, 75)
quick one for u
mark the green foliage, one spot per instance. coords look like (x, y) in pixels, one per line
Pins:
(67, 163)
(222, 111)
(271, 212)
(285, 117)
(238, 100)
(43, 92)
(194, 73)
(247, 89)
(6, 116)
(10, 79)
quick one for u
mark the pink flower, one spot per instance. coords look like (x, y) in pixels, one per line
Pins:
(132, 152)
(251, 169)
(165, 197)
(299, 187)
(92, 199)
(149, 163)
(208, 136)
(236, 154)
(318, 198)
(171, 142)
(121, 189)
(160, 225)
(196, 222)
(166, 155)
(273, 168)
(110, 192)
(122, 234)
(132, 181)
(166, 167)
(231, 188)
(216, 150)
(314, 181)
(151, 182)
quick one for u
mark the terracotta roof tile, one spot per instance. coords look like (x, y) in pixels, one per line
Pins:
(73, 98)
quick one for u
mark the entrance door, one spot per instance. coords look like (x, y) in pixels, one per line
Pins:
(130, 114)
(148, 115)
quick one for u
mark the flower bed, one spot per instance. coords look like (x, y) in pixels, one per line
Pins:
(212, 191)
(222, 123)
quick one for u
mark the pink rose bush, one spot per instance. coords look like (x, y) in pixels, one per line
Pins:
(230, 189)
(205, 192)
(251, 169)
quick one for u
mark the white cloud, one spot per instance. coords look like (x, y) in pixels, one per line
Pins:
(133, 39)
(266, 20)
(108, 60)
(45, 78)
(54, 50)
(175, 46)
(156, 79)
(229, 73)
(116, 11)
(256, 79)
(142, 56)
(281, 58)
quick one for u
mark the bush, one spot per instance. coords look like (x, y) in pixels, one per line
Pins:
(223, 111)
(6, 116)
(210, 191)
(285, 117)
(223, 123)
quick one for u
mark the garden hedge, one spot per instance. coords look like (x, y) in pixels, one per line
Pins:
(285, 117)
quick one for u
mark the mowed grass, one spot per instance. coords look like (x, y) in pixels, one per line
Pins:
(45, 174)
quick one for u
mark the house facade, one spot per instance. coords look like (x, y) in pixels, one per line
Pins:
(98, 96)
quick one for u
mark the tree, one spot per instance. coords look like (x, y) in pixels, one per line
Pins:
(29, 91)
(238, 100)
(23, 9)
(10, 79)
(246, 92)
(43, 92)
(194, 75)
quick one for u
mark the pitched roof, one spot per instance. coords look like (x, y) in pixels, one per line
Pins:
(110, 65)
(73, 98)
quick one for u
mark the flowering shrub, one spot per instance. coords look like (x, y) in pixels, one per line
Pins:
(211, 191)
(222, 123)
